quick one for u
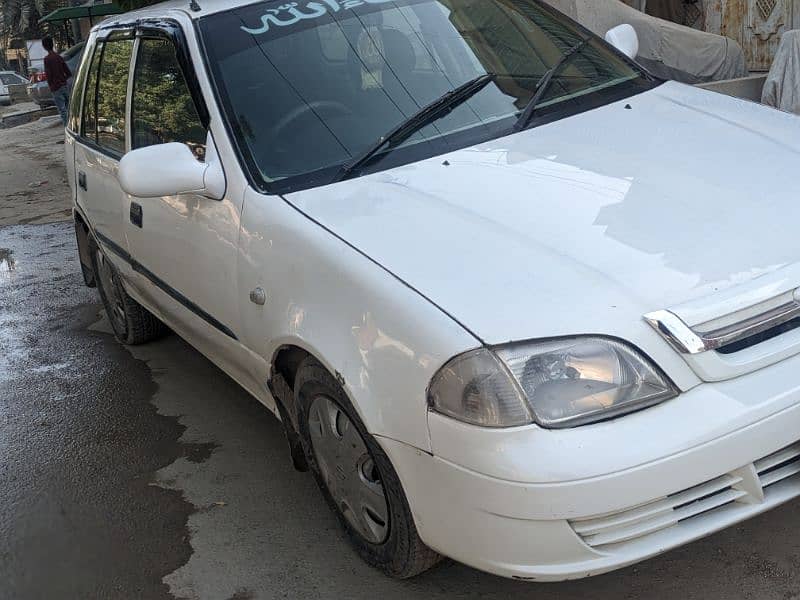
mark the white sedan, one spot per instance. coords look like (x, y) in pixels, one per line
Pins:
(516, 301)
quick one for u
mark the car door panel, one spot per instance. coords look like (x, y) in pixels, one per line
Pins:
(101, 144)
(185, 246)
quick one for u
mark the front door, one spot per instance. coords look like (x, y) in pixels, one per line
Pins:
(185, 246)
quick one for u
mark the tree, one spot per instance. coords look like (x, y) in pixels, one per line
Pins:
(19, 18)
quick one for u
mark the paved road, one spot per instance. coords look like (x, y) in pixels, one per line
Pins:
(33, 181)
(146, 473)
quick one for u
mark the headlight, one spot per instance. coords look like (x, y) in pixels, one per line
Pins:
(557, 384)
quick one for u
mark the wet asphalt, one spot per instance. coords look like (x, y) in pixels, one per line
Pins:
(147, 473)
(79, 439)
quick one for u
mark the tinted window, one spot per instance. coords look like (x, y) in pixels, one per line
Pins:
(344, 73)
(162, 106)
(90, 96)
(111, 91)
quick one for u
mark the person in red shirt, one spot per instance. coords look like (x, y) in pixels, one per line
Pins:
(58, 78)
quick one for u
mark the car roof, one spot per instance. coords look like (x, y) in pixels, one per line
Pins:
(163, 9)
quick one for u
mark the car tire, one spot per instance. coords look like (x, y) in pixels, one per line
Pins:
(400, 553)
(132, 323)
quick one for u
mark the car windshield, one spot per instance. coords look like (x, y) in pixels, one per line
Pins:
(307, 86)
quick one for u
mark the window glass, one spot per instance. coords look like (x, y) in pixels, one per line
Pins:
(162, 106)
(90, 97)
(336, 47)
(11, 79)
(344, 73)
(76, 101)
(111, 92)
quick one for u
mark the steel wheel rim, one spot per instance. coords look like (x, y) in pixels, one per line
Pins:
(348, 469)
(108, 281)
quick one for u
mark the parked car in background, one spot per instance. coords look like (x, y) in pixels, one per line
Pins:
(38, 89)
(514, 298)
(8, 80)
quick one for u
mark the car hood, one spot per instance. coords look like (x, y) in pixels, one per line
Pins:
(664, 200)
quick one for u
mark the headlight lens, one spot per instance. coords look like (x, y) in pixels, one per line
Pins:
(561, 383)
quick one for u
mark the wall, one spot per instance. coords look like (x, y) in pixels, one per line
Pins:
(756, 24)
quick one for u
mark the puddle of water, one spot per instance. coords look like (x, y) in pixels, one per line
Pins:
(7, 264)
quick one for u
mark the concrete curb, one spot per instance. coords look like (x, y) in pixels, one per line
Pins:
(20, 118)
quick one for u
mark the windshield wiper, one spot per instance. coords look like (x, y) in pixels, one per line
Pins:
(545, 82)
(432, 112)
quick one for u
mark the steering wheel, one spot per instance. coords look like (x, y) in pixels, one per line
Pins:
(316, 107)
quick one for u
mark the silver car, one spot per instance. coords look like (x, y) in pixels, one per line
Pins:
(8, 81)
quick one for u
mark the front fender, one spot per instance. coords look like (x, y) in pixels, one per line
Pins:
(379, 337)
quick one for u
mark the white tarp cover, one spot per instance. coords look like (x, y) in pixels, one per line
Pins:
(782, 89)
(667, 49)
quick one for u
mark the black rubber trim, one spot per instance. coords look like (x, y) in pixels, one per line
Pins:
(163, 285)
(759, 338)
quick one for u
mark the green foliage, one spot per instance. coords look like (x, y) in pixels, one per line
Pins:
(163, 110)
(20, 18)
(111, 94)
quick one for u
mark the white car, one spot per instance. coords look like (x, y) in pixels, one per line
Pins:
(9, 79)
(516, 301)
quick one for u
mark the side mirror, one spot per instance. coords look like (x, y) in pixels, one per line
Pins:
(624, 38)
(171, 169)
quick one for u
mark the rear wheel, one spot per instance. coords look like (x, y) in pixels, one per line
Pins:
(132, 323)
(356, 477)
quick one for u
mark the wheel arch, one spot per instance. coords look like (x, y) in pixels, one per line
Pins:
(82, 235)
(284, 366)
(287, 357)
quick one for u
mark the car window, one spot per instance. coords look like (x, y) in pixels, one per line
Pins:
(89, 129)
(162, 106)
(337, 48)
(343, 74)
(112, 88)
(76, 101)
(11, 79)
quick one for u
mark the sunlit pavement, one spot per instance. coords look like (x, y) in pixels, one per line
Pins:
(147, 473)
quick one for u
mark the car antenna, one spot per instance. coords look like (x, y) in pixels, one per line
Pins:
(194, 6)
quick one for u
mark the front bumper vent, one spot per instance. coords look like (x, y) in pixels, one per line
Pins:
(747, 485)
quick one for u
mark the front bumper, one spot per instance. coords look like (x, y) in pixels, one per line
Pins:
(487, 507)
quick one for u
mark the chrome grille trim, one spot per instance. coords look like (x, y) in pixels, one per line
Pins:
(691, 341)
(747, 485)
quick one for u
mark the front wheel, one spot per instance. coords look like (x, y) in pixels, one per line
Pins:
(356, 477)
(132, 323)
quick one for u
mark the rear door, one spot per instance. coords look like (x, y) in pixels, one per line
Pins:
(101, 142)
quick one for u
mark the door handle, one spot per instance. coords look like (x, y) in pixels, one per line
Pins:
(136, 214)
(82, 180)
